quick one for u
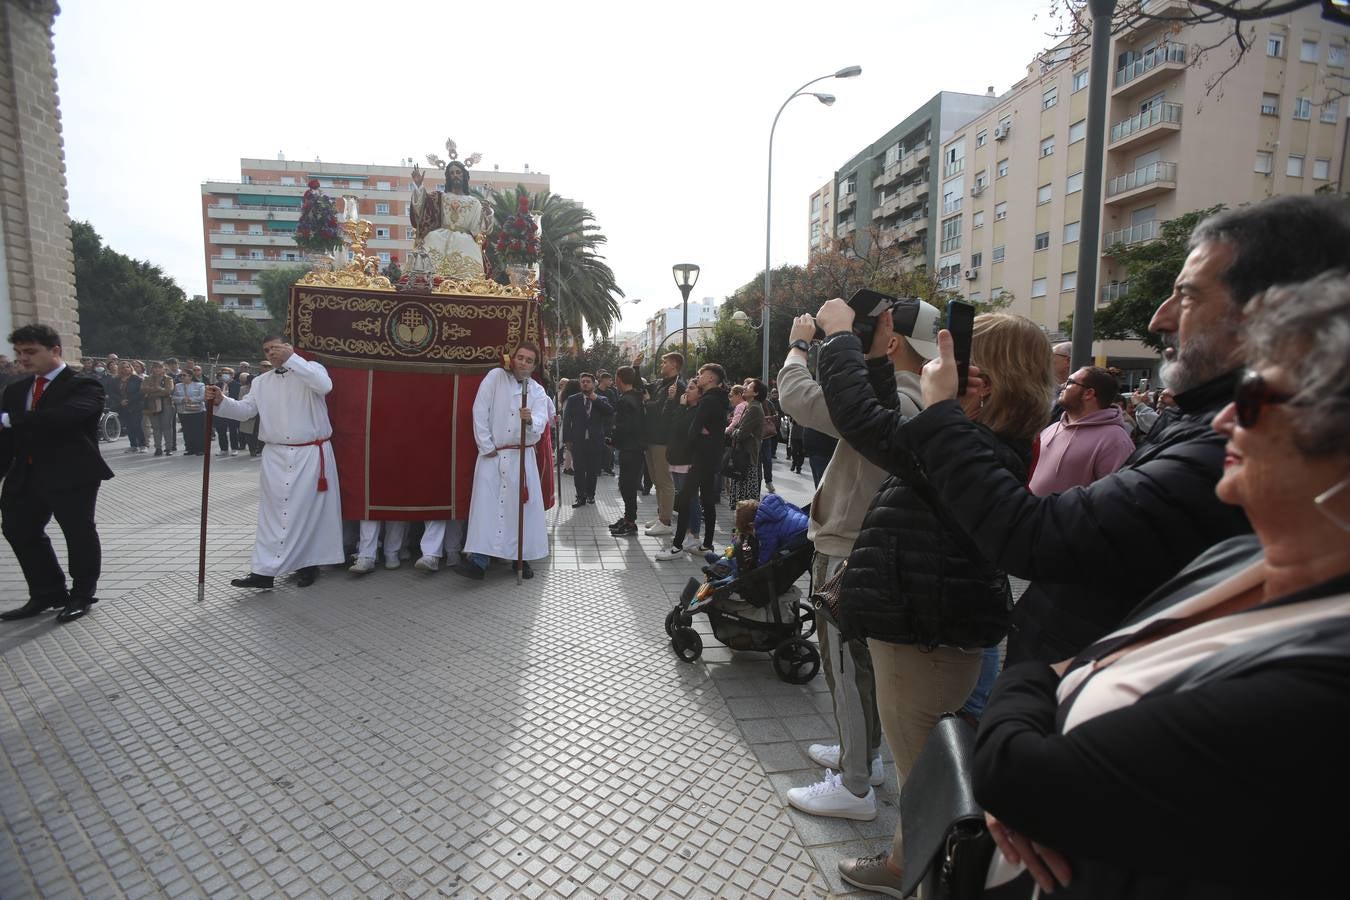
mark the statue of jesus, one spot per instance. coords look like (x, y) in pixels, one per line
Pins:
(449, 224)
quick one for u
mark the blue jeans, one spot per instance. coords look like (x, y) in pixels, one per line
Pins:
(974, 704)
(695, 510)
(817, 464)
(766, 458)
(479, 559)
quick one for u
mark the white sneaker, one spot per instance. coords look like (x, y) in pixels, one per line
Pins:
(364, 565)
(829, 797)
(392, 562)
(234, 452)
(827, 755)
(427, 564)
(652, 524)
(670, 553)
(659, 529)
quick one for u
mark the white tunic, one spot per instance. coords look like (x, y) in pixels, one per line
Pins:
(494, 507)
(298, 525)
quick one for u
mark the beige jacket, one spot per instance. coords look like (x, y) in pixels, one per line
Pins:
(850, 481)
(156, 391)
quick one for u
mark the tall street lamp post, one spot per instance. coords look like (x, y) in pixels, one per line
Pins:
(828, 100)
(686, 276)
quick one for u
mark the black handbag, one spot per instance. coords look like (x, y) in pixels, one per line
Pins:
(736, 459)
(947, 845)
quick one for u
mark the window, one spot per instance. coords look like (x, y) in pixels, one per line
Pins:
(974, 297)
(381, 209)
(982, 137)
(255, 254)
(1308, 51)
(288, 179)
(382, 186)
(815, 205)
(1000, 211)
(227, 253)
(1042, 240)
(1302, 107)
(244, 301)
(1294, 166)
(1038, 287)
(1048, 146)
(951, 234)
(1263, 160)
(1275, 45)
(1050, 98)
(949, 271)
(1077, 131)
(227, 228)
(982, 179)
(1071, 232)
(1002, 168)
(1080, 80)
(998, 256)
(1270, 104)
(384, 257)
(976, 260)
(325, 182)
(1321, 169)
(409, 234)
(977, 220)
(1068, 282)
(231, 277)
(255, 229)
(1043, 194)
(1329, 111)
(1074, 183)
(290, 255)
(1335, 54)
(382, 233)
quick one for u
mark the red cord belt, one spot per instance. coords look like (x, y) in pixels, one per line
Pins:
(323, 481)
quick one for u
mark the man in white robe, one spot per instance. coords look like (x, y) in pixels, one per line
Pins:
(300, 508)
(494, 508)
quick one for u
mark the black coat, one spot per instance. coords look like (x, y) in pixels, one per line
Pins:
(661, 410)
(707, 428)
(1094, 551)
(914, 577)
(577, 430)
(61, 435)
(628, 420)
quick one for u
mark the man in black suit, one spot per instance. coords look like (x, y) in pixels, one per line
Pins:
(586, 418)
(51, 466)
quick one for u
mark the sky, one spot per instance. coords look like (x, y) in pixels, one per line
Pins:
(655, 116)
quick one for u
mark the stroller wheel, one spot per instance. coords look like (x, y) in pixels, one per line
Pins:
(807, 617)
(796, 661)
(673, 619)
(687, 644)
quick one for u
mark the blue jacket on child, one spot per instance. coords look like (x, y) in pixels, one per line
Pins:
(777, 523)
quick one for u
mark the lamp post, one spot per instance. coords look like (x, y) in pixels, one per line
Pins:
(828, 100)
(686, 276)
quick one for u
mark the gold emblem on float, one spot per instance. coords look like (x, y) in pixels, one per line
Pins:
(409, 328)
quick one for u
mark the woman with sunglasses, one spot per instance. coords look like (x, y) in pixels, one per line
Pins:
(1191, 752)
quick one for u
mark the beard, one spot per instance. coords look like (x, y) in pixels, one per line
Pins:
(1204, 358)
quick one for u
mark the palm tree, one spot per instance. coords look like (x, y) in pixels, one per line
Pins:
(580, 293)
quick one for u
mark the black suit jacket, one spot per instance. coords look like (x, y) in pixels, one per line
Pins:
(575, 426)
(60, 435)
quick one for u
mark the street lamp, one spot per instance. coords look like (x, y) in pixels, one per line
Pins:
(828, 100)
(686, 276)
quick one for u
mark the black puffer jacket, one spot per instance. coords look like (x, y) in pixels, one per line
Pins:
(914, 577)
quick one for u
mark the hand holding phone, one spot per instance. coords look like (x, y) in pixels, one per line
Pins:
(961, 323)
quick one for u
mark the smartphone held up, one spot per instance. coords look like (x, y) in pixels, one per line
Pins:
(960, 324)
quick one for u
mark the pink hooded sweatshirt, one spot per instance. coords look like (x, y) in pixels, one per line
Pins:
(1078, 453)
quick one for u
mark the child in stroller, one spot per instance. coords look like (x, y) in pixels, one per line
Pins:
(749, 595)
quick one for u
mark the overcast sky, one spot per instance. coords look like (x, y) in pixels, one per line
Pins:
(655, 116)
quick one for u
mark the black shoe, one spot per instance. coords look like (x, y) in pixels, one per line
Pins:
(253, 580)
(568, 472)
(76, 607)
(525, 572)
(306, 576)
(468, 570)
(580, 502)
(624, 530)
(30, 609)
(159, 452)
(617, 522)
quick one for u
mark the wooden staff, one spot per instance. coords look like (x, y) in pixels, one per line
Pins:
(520, 519)
(206, 496)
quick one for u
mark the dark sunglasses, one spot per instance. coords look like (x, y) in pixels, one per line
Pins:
(1251, 394)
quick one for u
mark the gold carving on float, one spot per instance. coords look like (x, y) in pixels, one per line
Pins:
(486, 287)
(362, 272)
(368, 326)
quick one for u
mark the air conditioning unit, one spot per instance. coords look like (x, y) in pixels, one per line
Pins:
(1001, 132)
(972, 274)
(977, 190)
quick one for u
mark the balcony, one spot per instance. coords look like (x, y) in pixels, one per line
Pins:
(1135, 234)
(248, 312)
(888, 176)
(1146, 182)
(235, 287)
(952, 206)
(270, 239)
(1154, 66)
(250, 263)
(248, 211)
(848, 227)
(1161, 118)
(847, 200)
(954, 167)
(1113, 291)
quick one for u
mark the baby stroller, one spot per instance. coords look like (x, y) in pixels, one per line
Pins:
(755, 611)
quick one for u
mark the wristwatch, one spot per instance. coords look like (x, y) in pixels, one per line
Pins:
(801, 345)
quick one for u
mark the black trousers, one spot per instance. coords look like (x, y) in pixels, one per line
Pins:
(24, 514)
(194, 432)
(227, 434)
(630, 474)
(133, 419)
(702, 478)
(586, 468)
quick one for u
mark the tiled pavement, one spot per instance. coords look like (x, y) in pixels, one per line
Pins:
(398, 734)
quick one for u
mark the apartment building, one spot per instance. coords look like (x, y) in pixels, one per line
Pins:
(248, 224)
(1175, 142)
(885, 188)
(820, 235)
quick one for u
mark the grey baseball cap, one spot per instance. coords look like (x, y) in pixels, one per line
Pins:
(919, 322)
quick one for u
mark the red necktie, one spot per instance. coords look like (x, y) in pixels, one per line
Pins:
(39, 386)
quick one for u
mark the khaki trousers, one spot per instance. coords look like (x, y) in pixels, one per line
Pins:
(659, 469)
(914, 688)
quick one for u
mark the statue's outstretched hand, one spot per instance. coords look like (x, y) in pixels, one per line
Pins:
(417, 175)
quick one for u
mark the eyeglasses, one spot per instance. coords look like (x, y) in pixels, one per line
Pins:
(1251, 394)
(1069, 381)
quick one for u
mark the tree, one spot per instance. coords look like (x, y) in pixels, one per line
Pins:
(601, 355)
(126, 306)
(1151, 270)
(580, 292)
(206, 331)
(276, 290)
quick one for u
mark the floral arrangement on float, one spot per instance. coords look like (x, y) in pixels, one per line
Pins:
(318, 231)
(518, 237)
